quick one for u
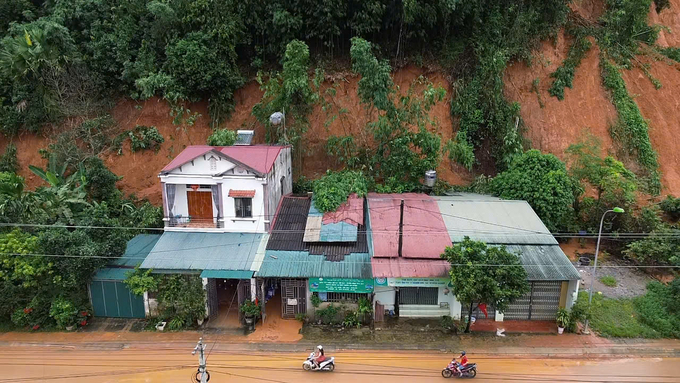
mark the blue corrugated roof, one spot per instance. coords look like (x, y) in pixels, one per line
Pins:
(204, 251)
(300, 264)
(338, 232)
(137, 249)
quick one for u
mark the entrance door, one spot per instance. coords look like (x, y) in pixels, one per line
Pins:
(213, 299)
(540, 303)
(200, 205)
(114, 299)
(293, 297)
(418, 296)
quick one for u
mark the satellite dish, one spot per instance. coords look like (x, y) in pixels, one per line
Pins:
(276, 118)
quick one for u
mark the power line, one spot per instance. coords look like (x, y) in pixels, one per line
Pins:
(410, 260)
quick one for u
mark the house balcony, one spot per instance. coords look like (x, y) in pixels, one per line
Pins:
(189, 223)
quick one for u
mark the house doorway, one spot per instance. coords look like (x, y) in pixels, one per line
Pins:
(200, 206)
(223, 303)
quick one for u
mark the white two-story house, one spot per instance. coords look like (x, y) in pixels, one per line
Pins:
(225, 189)
(218, 204)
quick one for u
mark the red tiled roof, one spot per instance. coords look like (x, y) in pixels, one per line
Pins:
(409, 268)
(241, 193)
(260, 158)
(425, 235)
(351, 212)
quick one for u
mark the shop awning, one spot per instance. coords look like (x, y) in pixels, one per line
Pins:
(227, 274)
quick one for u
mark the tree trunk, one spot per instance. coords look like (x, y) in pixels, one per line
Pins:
(467, 328)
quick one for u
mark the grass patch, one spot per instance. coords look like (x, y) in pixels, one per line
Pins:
(617, 318)
(608, 280)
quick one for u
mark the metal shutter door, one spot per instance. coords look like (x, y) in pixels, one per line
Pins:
(418, 296)
(545, 300)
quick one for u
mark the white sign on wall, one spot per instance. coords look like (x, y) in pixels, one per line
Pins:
(418, 282)
(292, 302)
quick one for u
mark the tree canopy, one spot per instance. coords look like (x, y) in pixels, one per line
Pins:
(543, 181)
(485, 274)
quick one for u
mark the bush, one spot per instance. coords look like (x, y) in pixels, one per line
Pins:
(529, 177)
(563, 317)
(222, 137)
(8, 161)
(301, 317)
(101, 182)
(608, 280)
(461, 151)
(447, 323)
(140, 281)
(332, 190)
(141, 138)
(329, 314)
(671, 206)
(302, 185)
(351, 320)
(64, 312)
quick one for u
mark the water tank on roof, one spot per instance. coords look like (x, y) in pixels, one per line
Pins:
(244, 137)
(430, 178)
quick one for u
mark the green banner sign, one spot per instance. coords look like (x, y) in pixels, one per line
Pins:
(341, 285)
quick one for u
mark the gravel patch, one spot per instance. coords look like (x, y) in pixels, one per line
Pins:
(631, 282)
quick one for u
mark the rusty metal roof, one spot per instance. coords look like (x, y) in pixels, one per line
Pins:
(424, 232)
(289, 229)
(409, 268)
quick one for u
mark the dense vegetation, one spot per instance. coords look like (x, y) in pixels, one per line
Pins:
(73, 226)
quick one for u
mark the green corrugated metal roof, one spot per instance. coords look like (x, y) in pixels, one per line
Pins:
(300, 264)
(545, 263)
(112, 274)
(204, 251)
(227, 274)
(137, 249)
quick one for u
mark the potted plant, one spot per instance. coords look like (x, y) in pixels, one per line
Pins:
(562, 319)
(251, 311)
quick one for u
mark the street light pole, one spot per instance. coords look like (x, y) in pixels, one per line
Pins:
(202, 375)
(597, 250)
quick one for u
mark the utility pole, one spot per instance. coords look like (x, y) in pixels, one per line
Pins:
(202, 376)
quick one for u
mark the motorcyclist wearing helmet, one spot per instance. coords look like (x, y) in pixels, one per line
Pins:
(318, 356)
(463, 361)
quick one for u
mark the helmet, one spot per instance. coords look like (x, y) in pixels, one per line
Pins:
(462, 353)
(320, 347)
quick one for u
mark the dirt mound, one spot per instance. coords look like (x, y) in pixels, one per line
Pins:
(670, 18)
(553, 125)
(662, 108)
(588, 9)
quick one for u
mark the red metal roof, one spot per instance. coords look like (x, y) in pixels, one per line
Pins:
(409, 268)
(241, 193)
(260, 158)
(425, 235)
(351, 212)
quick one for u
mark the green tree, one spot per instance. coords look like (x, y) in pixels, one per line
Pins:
(291, 92)
(332, 190)
(485, 274)
(401, 147)
(541, 180)
(222, 137)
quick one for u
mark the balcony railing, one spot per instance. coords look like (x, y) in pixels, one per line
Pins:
(191, 222)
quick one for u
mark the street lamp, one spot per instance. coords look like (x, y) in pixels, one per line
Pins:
(617, 210)
(277, 118)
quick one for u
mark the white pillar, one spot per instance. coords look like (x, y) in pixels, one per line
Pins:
(147, 312)
(253, 289)
(205, 288)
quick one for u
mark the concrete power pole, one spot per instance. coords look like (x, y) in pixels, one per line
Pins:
(202, 376)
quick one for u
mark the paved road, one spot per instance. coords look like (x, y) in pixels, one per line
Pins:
(40, 364)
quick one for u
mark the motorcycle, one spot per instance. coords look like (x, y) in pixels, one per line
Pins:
(326, 365)
(454, 369)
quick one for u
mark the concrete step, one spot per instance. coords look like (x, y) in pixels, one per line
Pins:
(424, 311)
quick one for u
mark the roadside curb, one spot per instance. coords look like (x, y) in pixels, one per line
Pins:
(219, 346)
